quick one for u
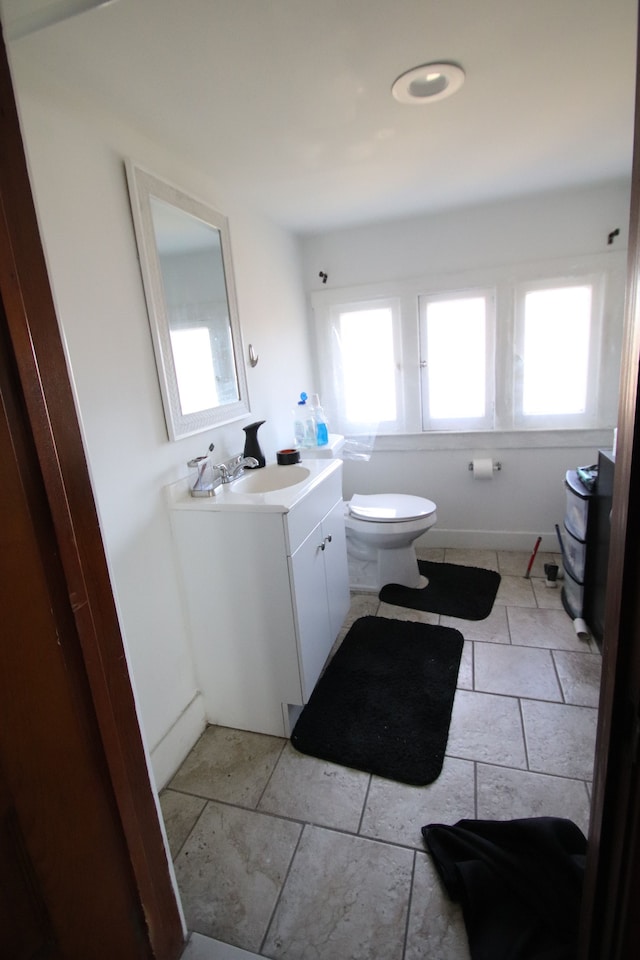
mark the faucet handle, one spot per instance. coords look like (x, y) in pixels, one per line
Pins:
(232, 469)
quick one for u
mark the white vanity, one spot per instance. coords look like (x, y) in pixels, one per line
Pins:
(266, 586)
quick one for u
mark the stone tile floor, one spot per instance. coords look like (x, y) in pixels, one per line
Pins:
(290, 857)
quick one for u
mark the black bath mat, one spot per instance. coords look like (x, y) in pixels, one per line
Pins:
(383, 705)
(453, 590)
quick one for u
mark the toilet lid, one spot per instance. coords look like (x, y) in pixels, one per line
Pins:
(390, 507)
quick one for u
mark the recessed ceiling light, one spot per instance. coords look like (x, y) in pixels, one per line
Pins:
(432, 81)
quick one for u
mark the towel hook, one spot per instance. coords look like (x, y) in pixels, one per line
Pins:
(253, 356)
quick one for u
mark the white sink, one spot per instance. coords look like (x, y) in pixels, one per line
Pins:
(268, 479)
(274, 488)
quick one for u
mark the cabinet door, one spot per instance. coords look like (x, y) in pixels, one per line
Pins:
(336, 569)
(307, 567)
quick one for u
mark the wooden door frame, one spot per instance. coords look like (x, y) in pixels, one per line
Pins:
(53, 424)
(610, 922)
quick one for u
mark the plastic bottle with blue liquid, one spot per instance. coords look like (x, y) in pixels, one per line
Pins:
(304, 425)
(322, 429)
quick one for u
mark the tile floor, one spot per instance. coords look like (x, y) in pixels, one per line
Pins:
(286, 856)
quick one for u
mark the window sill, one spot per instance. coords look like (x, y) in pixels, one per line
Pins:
(492, 440)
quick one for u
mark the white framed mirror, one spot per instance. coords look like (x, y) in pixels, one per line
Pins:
(187, 273)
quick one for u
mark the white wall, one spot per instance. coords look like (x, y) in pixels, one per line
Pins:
(539, 227)
(526, 498)
(76, 158)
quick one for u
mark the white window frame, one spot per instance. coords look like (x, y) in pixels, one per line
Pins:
(565, 421)
(605, 271)
(336, 403)
(487, 421)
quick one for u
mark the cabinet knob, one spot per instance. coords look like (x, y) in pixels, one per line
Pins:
(324, 543)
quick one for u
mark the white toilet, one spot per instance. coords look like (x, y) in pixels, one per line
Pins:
(381, 530)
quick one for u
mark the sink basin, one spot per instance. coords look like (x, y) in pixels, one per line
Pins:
(270, 489)
(268, 479)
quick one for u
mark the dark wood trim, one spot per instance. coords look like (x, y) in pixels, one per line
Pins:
(48, 398)
(610, 918)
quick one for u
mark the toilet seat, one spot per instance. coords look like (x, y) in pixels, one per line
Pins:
(390, 507)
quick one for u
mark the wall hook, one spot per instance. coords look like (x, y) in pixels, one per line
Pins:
(614, 233)
(323, 276)
(253, 356)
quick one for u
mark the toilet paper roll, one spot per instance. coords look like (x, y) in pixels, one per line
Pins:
(483, 468)
(581, 629)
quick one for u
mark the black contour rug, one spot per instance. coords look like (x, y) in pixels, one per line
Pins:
(383, 704)
(453, 590)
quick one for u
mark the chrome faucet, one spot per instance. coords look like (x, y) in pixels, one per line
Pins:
(229, 473)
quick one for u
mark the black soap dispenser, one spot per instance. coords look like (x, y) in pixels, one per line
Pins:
(251, 444)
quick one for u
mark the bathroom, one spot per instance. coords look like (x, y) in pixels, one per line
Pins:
(86, 224)
(76, 148)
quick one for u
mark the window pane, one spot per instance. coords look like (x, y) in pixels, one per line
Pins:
(368, 365)
(556, 350)
(456, 350)
(193, 361)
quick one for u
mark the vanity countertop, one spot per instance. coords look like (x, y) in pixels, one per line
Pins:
(226, 498)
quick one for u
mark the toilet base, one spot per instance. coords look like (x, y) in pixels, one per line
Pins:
(391, 566)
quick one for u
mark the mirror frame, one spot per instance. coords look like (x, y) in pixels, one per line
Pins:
(142, 187)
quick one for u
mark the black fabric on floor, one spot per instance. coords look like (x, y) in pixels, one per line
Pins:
(519, 883)
(453, 590)
(384, 702)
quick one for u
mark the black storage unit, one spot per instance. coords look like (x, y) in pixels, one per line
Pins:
(586, 545)
(576, 529)
(601, 529)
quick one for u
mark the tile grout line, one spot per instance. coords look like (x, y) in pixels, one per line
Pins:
(364, 806)
(506, 609)
(555, 667)
(409, 903)
(272, 915)
(475, 790)
(195, 824)
(303, 823)
(269, 778)
(473, 665)
(505, 766)
(524, 733)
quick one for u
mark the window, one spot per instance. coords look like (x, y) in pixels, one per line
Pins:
(555, 354)
(502, 349)
(456, 350)
(364, 358)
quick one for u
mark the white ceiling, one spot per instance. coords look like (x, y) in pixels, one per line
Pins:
(289, 100)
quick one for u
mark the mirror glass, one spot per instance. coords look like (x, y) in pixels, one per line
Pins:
(185, 260)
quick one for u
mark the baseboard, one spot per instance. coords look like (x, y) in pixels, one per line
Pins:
(489, 540)
(172, 749)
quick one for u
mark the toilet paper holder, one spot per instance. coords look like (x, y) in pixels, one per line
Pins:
(496, 465)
